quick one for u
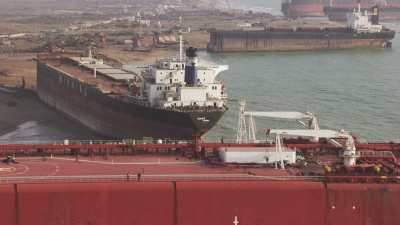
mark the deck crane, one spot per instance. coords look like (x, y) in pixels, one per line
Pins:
(248, 134)
(349, 148)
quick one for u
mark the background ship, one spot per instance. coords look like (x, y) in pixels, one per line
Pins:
(359, 33)
(302, 8)
(174, 98)
(338, 9)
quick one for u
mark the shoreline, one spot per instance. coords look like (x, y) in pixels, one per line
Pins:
(44, 122)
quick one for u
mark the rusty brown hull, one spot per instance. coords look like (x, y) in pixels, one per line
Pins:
(254, 41)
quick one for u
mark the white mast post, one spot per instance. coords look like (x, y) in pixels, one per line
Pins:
(278, 144)
(241, 132)
(252, 129)
(180, 47)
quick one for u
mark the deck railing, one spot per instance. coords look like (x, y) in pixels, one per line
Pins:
(194, 177)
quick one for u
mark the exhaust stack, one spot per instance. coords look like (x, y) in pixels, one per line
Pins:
(375, 15)
(190, 69)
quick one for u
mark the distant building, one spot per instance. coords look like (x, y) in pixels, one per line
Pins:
(164, 39)
(244, 25)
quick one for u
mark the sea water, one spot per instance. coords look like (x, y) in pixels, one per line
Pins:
(356, 90)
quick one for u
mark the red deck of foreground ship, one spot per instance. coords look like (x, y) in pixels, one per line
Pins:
(168, 188)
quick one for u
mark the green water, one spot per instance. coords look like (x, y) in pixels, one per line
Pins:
(357, 90)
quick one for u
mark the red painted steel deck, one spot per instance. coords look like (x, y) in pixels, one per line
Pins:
(195, 203)
(153, 184)
(124, 167)
(7, 204)
(97, 204)
(116, 161)
(273, 203)
(352, 204)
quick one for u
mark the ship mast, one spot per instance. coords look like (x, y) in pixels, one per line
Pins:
(180, 47)
(241, 132)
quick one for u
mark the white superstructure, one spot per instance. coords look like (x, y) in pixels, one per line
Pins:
(182, 82)
(360, 22)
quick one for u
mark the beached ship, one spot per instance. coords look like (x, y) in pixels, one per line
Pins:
(302, 8)
(175, 98)
(339, 9)
(362, 31)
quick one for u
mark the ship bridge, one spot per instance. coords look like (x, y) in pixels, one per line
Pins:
(183, 82)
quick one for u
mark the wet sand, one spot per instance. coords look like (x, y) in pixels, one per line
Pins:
(14, 68)
(25, 119)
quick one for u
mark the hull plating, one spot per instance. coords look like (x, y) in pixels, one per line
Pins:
(236, 41)
(195, 203)
(294, 10)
